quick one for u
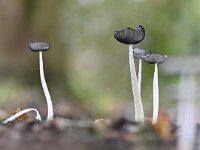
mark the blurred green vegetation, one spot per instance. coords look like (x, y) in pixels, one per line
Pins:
(86, 64)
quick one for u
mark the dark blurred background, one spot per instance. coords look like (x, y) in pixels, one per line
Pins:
(85, 64)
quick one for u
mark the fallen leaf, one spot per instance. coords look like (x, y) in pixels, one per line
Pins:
(163, 127)
(23, 117)
(101, 126)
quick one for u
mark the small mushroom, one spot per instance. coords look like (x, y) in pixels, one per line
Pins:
(140, 54)
(40, 47)
(133, 36)
(18, 114)
(155, 59)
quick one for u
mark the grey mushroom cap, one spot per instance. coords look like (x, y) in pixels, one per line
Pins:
(130, 36)
(39, 46)
(140, 53)
(155, 59)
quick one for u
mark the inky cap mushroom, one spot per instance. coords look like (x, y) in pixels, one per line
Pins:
(155, 59)
(130, 36)
(39, 46)
(140, 53)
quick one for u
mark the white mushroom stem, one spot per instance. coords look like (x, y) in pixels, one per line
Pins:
(45, 89)
(140, 75)
(155, 95)
(182, 99)
(18, 114)
(139, 113)
(187, 130)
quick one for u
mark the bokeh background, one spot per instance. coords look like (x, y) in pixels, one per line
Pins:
(86, 66)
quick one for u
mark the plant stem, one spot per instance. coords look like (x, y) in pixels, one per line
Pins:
(45, 89)
(18, 114)
(155, 95)
(139, 114)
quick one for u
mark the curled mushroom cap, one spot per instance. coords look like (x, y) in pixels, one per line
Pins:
(140, 53)
(39, 46)
(130, 36)
(155, 59)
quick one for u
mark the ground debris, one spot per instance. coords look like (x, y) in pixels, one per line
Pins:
(64, 134)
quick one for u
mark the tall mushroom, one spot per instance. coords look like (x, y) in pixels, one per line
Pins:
(133, 36)
(155, 59)
(40, 47)
(188, 69)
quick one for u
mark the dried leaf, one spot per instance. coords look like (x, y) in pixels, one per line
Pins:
(163, 127)
(101, 126)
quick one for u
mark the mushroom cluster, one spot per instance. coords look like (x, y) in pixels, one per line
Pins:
(37, 47)
(127, 36)
(131, 37)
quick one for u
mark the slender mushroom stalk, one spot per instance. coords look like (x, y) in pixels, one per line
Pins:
(155, 59)
(133, 36)
(182, 99)
(18, 114)
(140, 75)
(40, 47)
(187, 130)
(155, 95)
(45, 89)
(139, 114)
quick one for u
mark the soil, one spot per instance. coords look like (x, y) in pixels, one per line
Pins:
(70, 134)
(72, 129)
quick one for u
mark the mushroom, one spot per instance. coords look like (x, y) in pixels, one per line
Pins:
(133, 36)
(140, 54)
(155, 59)
(181, 66)
(13, 117)
(37, 47)
(187, 68)
(40, 47)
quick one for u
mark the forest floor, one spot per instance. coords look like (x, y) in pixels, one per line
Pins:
(70, 133)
